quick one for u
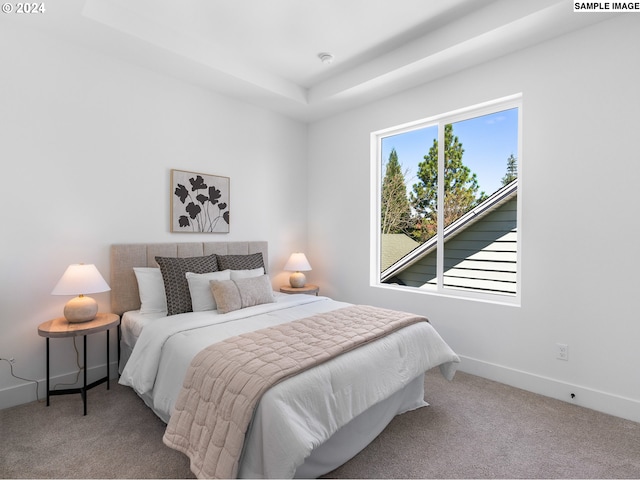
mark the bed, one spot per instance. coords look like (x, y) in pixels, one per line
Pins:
(306, 424)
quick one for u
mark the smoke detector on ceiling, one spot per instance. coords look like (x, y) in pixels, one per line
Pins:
(325, 57)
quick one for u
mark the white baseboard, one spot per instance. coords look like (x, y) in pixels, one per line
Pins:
(585, 397)
(25, 392)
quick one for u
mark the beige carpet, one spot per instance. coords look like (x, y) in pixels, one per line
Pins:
(119, 438)
(474, 428)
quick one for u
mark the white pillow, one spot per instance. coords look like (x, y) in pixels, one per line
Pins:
(151, 289)
(201, 296)
(255, 272)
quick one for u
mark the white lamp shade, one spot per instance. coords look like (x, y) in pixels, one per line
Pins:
(79, 279)
(297, 263)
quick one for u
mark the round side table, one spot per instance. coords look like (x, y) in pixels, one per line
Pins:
(61, 328)
(307, 289)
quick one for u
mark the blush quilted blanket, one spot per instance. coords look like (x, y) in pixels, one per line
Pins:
(225, 381)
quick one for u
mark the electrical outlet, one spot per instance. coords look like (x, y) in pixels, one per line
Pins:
(563, 351)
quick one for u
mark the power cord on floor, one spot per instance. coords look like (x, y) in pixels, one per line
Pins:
(11, 362)
(80, 368)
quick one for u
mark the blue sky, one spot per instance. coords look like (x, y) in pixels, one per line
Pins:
(487, 142)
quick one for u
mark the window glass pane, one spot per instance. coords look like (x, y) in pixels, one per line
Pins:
(408, 208)
(480, 203)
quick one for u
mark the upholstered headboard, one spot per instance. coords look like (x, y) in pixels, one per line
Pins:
(124, 287)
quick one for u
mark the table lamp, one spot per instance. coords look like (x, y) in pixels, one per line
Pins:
(297, 263)
(79, 279)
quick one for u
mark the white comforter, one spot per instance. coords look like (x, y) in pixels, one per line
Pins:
(302, 412)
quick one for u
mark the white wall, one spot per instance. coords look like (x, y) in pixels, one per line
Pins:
(580, 223)
(87, 144)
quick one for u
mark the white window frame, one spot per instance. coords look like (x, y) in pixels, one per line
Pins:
(493, 106)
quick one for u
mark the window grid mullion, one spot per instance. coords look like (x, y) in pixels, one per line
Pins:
(440, 216)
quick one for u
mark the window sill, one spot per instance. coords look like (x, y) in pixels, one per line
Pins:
(506, 300)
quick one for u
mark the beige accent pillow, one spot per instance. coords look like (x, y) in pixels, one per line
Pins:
(233, 295)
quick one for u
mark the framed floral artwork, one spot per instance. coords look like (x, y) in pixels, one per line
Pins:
(199, 202)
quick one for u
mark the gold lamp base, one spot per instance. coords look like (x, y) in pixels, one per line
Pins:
(80, 309)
